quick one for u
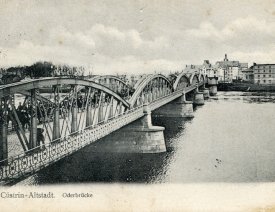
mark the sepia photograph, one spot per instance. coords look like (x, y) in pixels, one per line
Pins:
(146, 105)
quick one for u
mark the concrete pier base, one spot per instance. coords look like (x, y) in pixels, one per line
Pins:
(178, 108)
(137, 137)
(213, 90)
(206, 93)
(199, 98)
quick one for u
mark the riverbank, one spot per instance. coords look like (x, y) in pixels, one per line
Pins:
(237, 86)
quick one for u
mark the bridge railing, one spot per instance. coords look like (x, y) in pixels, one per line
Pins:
(42, 156)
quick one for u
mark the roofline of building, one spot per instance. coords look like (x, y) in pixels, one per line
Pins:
(263, 64)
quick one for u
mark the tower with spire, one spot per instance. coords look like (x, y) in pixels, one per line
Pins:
(225, 58)
(230, 70)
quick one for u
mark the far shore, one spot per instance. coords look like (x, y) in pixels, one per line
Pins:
(245, 87)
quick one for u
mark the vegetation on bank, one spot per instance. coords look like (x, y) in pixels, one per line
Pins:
(245, 86)
(37, 70)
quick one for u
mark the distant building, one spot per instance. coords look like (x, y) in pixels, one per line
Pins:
(209, 69)
(189, 69)
(230, 70)
(264, 73)
(248, 75)
(242, 67)
(206, 68)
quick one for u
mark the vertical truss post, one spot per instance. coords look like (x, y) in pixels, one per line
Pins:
(17, 126)
(162, 88)
(142, 98)
(74, 111)
(121, 109)
(56, 123)
(11, 100)
(89, 112)
(101, 108)
(150, 95)
(108, 82)
(137, 102)
(117, 87)
(165, 89)
(33, 128)
(3, 129)
(146, 98)
(111, 113)
(159, 88)
(108, 110)
(154, 93)
(118, 109)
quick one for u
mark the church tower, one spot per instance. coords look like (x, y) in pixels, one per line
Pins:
(225, 58)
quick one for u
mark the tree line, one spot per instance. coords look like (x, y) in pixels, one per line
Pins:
(37, 70)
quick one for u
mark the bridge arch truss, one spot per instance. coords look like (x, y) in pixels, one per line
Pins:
(52, 109)
(116, 84)
(151, 88)
(182, 81)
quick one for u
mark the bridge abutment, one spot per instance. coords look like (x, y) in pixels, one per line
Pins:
(178, 108)
(138, 137)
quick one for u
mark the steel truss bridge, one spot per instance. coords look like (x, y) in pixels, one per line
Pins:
(44, 120)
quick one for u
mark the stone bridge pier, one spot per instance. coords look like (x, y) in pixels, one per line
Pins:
(138, 137)
(177, 108)
(196, 96)
(212, 83)
(205, 91)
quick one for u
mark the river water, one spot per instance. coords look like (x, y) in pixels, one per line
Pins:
(230, 139)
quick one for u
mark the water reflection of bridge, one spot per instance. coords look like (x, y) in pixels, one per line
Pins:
(75, 113)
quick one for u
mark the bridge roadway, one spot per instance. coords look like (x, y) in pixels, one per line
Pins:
(110, 113)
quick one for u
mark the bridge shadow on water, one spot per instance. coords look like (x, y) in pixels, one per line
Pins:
(88, 166)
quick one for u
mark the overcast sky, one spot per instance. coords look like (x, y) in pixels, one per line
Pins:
(136, 35)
